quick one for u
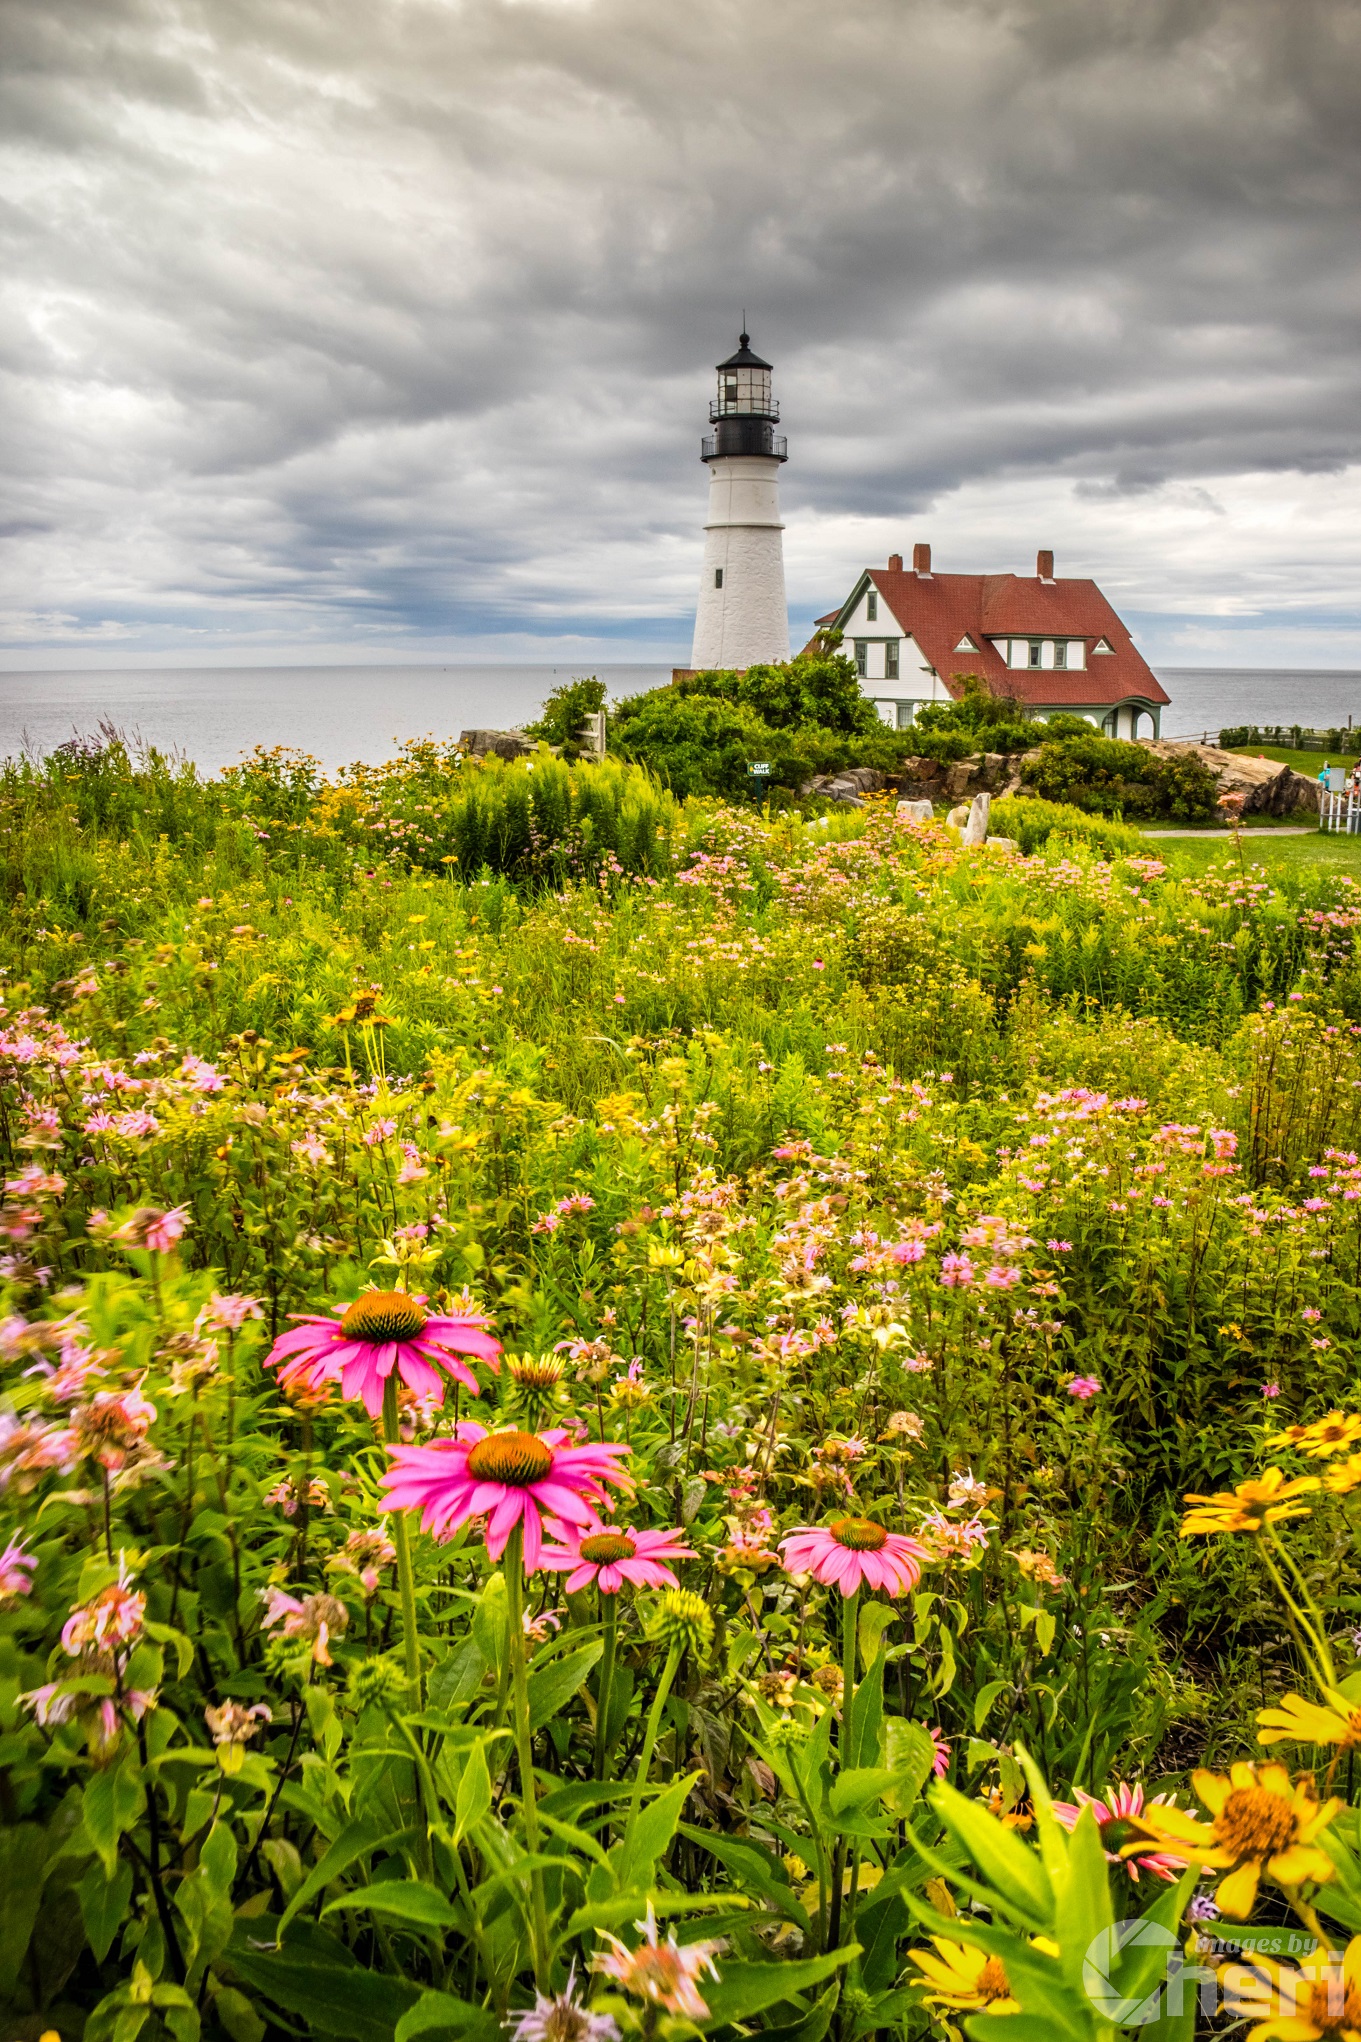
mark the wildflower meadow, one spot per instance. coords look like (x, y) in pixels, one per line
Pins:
(627, 1417)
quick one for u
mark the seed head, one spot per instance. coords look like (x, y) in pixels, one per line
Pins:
(680, 1617)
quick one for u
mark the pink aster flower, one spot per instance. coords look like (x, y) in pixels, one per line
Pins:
(1123, 1806)
(663, 1973)
(610, 1556)
(853, 1551)
(1084, 1388)
(381, 1331)
(112, 1618)
(511, 1477)
(564, 2018)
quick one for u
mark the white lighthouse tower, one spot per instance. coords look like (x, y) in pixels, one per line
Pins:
(742, 620)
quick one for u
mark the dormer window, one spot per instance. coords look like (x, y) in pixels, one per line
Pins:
(872, 608)
(1035, 650)
(1103, 645)
(966, 644)
(1060, 652)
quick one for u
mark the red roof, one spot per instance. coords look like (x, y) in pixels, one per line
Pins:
(940, 609)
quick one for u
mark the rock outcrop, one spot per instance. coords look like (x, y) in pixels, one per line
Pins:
(501, 744)
(1268, 788)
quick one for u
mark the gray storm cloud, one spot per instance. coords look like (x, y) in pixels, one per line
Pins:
(393, 320)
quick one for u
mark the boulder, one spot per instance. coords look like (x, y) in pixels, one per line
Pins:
(1001, 844)
(915, 811)
(1267, 787)
(848, 786)
(976, 828)
(958, 818)
(501, 744)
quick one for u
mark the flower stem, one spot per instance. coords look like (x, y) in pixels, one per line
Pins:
(609, 1611)
(1315, 1625)
(513, 1565)
(406, 1580)
(650, 1739)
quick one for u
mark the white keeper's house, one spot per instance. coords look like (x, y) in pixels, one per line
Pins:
(1055, 645)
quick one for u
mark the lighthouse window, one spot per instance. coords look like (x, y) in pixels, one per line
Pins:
(718, 577)
(730, 392)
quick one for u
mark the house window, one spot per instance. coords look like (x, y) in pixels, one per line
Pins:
(1034, 652)
(905, 710)
(862, 657)
(872, 608)
(890, 659)
(718, 577)
(1060, 652)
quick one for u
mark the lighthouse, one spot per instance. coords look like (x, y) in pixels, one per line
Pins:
(741, 620)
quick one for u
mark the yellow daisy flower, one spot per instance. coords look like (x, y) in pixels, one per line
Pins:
(965, 1979)
(1262, 1821)
(1306, 1723)
(1325, 1436)
(1343, 1476)
(1321, 2002)
(1250, 1506)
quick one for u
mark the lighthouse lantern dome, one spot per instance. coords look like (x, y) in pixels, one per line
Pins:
(744, 386)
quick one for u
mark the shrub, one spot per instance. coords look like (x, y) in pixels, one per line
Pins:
(1032, 823)
(1106, 776)
(562, 715)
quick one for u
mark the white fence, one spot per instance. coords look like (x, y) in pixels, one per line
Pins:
(1340, 812)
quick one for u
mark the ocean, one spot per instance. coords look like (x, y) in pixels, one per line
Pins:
(346, 713)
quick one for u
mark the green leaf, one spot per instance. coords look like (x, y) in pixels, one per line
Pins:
(651, 1834)
(103, 1904)
(859, 1788)
(405, 1900)
(472, 1804)
(1010, 1867)
(814, 2024)
(552, 1688)
(982, 1707)
(111, 1803)
(458, 1677)
(22, 1851)
(440, 2010)
(753, 1869)
(873, 1621)
(316, 1978)
(1082, 1901)
(909, 1753)
(358, 1839)
(489, 1621)
(237, 2015)
(747, 1989)
(867, 1714)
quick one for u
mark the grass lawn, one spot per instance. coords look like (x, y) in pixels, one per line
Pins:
(1308, 763)
(1275, 854)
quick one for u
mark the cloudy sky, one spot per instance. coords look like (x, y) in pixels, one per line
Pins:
(360, 328)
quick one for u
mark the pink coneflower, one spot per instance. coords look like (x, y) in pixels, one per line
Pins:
(1117, 1818)
(608, 1557)
(853, 1551)
(16, 1570)
(380, 1331)
(1084, 1388)
(512, 1477)
(663, 1973)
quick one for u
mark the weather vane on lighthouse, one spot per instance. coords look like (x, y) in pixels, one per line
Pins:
(742, 620)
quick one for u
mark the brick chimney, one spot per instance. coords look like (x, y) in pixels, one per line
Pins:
(895, 563)
(921, 559)
(1044, 565)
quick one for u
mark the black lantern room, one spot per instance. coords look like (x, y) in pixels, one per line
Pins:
(744, 414)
